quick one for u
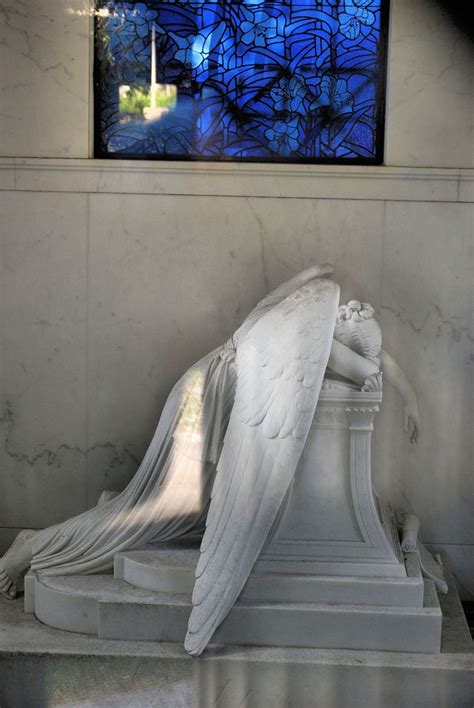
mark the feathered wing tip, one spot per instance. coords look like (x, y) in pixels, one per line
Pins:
(274, 297)
(280, 368)
(191, 647)
(322, 270)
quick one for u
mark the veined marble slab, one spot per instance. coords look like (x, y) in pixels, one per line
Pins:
(45, 78)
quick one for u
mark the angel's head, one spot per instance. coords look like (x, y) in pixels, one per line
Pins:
(357, 329)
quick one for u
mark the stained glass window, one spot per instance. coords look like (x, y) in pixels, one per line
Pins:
(255, 80)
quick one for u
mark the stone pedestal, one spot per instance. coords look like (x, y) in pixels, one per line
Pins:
(332, 574)
(332, 523)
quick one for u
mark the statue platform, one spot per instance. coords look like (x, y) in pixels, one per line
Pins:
(40, 666)
(332, 574)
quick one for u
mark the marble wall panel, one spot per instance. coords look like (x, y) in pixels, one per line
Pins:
(43, 407)
(299, 232)
(427, 325)
(7, 173)
(170, 278)
(45, 51)
(44, 78)
(429, 89)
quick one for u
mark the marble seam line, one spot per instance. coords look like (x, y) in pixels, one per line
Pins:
(353, 198)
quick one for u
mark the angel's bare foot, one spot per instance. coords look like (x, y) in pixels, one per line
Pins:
(7, 585)
(14, 564)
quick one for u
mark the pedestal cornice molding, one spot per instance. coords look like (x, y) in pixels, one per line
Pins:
(237, 179)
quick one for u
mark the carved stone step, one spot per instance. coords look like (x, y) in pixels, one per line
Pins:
(112, 609)
(170, 568)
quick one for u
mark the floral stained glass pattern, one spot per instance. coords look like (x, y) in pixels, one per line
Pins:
(261, 80)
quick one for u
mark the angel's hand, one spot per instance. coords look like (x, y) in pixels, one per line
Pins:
(411, 420)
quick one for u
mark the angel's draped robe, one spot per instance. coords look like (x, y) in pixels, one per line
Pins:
(170, 493)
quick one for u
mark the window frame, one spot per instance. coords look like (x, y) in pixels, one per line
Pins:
(380, 122)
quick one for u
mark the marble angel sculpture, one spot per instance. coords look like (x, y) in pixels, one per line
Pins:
(226, 448)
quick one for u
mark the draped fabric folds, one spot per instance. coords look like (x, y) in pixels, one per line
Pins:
(169, 495)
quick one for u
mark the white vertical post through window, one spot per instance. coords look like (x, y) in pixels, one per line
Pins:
(153, 68)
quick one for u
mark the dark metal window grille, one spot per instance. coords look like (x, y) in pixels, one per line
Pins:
(256, 80)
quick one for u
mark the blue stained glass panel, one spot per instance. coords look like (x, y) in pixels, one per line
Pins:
(256, 80)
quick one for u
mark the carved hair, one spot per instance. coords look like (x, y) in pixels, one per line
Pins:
(356, 311)
(357, 329)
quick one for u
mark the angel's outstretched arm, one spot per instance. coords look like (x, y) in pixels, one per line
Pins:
(394, 375)
(354, 367)
(348, 363)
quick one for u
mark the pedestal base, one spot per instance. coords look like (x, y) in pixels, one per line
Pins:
(170, 568)
(319, 612)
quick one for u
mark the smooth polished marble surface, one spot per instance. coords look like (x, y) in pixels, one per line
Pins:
(426, 320)
(7, 173)
(346, 233)
(430, 87)
(44, 338)
(44, 79)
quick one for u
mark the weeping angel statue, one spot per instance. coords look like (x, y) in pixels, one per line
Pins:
(226, 448)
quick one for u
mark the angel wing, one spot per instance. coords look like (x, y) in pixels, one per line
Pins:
(280, 369)
(280, 293)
